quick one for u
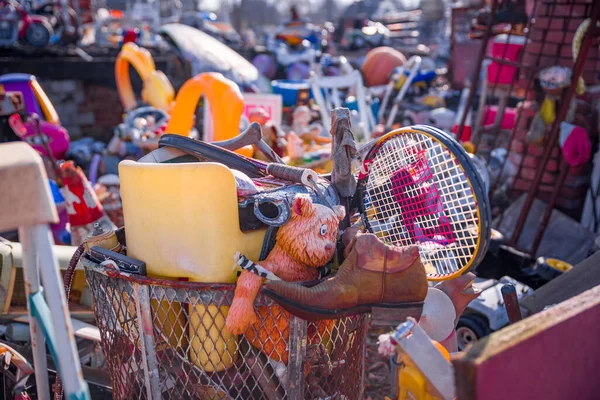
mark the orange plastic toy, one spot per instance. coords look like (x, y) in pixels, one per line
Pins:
(227, 103)
(157, 90)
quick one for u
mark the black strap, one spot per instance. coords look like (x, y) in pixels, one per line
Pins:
(268, 242)
(210, 152)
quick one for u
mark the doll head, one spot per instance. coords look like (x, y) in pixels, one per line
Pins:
(310, 235)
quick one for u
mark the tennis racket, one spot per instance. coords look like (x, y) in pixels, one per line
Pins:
(417, 186)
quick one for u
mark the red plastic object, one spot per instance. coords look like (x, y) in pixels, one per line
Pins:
(508, 50)
(508, 119)
(83, 205)
(17, 125)
(131, 35)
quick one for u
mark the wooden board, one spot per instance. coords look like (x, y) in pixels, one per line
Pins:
(80, 328)
(554, 354)
(582, 277)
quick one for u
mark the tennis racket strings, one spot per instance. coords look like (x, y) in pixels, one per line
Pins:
(417, 193)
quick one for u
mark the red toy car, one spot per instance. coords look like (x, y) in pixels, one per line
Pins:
(17, 25)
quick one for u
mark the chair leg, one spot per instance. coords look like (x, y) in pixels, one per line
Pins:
(61, 341)
(32, 285)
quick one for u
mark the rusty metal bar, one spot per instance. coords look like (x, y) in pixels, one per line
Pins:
(363, 353)
(511, 303)
(475, 80)
(539, 56)
(507, 62)
(530, 27)
(484, 97)
(146, 334)
(297, 346)
(564, 169)
(578, 69)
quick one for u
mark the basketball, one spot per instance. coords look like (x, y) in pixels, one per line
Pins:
(379, 64)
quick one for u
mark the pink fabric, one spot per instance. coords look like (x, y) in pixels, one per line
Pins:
(575, 144)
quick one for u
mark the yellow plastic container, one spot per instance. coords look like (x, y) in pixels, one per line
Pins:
(182, 220)
(171, 318)
(211, 355)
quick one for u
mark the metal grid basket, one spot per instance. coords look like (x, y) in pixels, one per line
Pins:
(166, 339)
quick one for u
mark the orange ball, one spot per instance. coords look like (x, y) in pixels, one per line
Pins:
(379, 64)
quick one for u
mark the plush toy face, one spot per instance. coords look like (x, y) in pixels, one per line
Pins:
(311, 233)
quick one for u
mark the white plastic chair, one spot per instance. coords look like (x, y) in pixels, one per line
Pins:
(416, 66)
(26, 204)
(331, 86)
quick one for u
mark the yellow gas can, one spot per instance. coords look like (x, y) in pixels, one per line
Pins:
(182, 220)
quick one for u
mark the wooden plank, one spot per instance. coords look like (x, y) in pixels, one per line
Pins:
(80, 328)
(554, 354)
(582, 277)
(62, 253)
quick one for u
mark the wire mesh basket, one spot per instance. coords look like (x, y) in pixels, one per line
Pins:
(167, 339)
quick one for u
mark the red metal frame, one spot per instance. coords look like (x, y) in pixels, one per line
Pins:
(549, 29)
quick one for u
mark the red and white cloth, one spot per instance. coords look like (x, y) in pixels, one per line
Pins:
(575, 144)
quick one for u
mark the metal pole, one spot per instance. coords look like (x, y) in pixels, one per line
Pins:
(146, 332)
(67, 354)
(546, 218)
(32, 285)
(511, 303)
(297, 351)
(475, 80)
(566, 100)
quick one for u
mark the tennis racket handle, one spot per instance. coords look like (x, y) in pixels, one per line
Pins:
(293, 174)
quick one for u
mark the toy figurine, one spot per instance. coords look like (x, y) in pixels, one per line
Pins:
(274, 136)
(295, 146)
(304, 244)
(302, 127)
(83, 207)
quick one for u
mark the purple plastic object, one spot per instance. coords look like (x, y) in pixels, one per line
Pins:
(94, 166)
(298, 71)
(266, 65)
(31, 102)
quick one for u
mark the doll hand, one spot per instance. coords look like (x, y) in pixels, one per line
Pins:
(241, 315)
(385, 348)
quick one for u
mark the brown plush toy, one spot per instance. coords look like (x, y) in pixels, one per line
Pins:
(305, 243)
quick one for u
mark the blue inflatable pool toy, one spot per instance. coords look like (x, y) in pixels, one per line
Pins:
(353, 106)
(288, 90)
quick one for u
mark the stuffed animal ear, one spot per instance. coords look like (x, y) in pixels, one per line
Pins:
(303, 205)
(340, 212)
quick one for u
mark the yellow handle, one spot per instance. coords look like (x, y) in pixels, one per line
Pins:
(47, 108)
(157, 90)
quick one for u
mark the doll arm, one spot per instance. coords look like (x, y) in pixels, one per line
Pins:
(241, 314)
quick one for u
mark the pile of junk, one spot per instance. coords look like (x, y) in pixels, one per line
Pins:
(252, 278)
